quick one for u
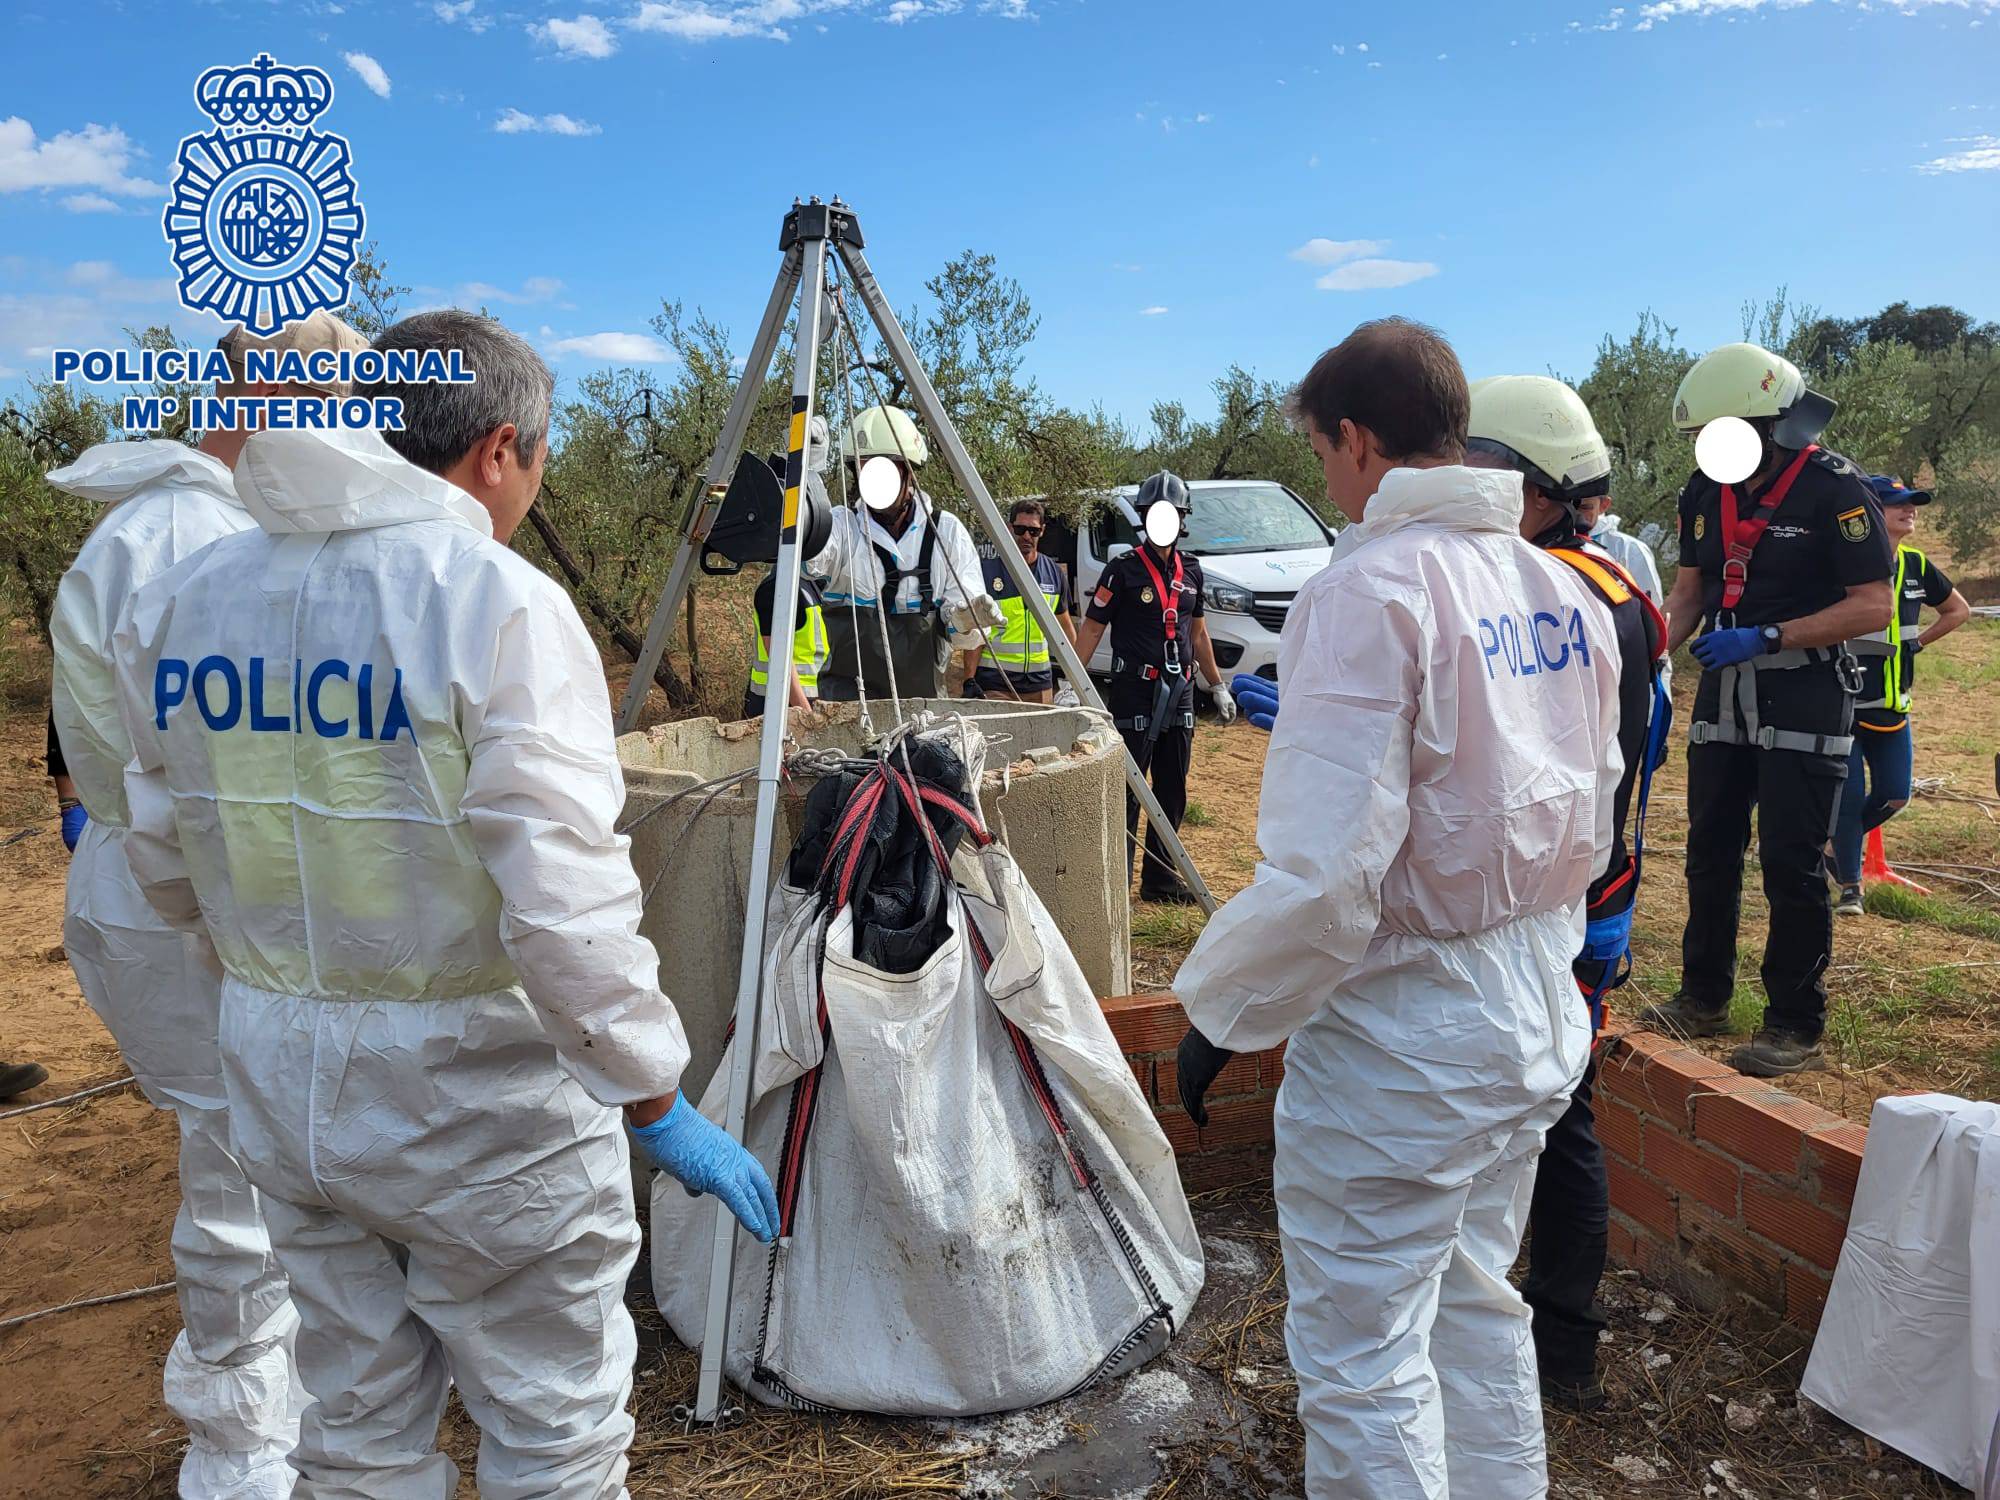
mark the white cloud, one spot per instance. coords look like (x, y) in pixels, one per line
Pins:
(1667, 10)
(1980, 153)
(704, 21)
(102, 281)
(96, 156)
(618, 348)
(1152, 312)
(1313, 160)
(1319, 252)
(369, 72)
(89, 203)
(1374, 275)
(514, 122)
(1339, 50)
(900, 12)
(1201, 119)
(586, 36)
(1374, 65)
(1008, 10)
(1360, 46)
(534, 289)
(462, 11)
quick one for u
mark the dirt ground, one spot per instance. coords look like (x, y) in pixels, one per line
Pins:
(87, 1197)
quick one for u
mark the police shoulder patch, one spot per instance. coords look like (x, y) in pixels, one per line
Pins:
(1700, 525)
(1855, 525)
(1103, 595)
(1826, 458)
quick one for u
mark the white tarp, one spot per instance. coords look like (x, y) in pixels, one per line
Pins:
(943, 1259)
(1909, 1348)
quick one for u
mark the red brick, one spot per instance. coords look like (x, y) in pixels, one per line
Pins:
(1782, 1214)
(1733, 1255)
(1237, 1123)
(1239, 1076)
(1181, 1134)
(1271, 1068)
(1758, 1125)
(1621, 1243)
(1805, 1294)
(1656, 1074)
(1833, 1163)
(1142, 1070)
(1618, 1129)
(1645, 1200)
(1691, 1170)
(1145, 1023)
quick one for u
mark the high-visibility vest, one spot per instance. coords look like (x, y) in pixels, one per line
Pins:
(809, 652)
(1018, 647)
(1888, 643)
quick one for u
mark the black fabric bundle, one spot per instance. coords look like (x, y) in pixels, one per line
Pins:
(898, 891)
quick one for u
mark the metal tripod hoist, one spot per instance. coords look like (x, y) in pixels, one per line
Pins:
(811, 229)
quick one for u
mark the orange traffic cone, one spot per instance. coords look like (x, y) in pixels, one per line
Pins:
(1875, 866)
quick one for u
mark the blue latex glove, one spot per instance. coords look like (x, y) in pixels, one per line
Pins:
(73, 819)
(1257, 697)
(703, 1159)
(1725, 648)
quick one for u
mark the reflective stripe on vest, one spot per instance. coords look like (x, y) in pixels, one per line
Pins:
(809, 653)
(1019, 646)
(1740, 538)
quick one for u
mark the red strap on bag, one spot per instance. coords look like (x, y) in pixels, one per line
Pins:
(1170, 603)
(1740, 538)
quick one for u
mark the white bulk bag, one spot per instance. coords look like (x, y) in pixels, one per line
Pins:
(943, 1257)
(1909, 1347)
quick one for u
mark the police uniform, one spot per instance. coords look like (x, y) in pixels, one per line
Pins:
(1152, 683)
(1773, 732)
(1569, 1213)
(809, 642)
(1016, 657)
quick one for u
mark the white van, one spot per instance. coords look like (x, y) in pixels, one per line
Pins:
(1257, 541)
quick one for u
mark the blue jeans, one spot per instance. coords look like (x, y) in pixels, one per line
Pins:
(1878, 784)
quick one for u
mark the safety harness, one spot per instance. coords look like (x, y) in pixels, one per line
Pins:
(1607, 938)
(1170, 680)
(1737, 682)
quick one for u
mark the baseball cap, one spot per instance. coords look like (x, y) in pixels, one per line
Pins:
(318, 330)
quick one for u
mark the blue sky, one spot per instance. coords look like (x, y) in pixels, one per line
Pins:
(1178, 185)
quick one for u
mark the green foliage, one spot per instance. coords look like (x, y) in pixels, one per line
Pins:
(1250, 437)
(41, 528)
(1630, 393)
(1960, 917)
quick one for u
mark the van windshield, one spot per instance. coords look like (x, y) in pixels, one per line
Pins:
(1250, 518)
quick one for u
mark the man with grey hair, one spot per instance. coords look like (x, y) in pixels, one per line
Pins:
(373, 763)
(229, 1374)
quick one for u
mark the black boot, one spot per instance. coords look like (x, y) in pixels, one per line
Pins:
(1773, 1054)
(18, 1078)
(1682, 1017)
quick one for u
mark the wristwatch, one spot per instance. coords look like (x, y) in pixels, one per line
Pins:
(1774, 638)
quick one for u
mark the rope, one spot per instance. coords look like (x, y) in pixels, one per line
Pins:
(49, 1312)
(102, 1088)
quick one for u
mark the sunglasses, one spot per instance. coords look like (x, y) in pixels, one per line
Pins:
(1027, 531)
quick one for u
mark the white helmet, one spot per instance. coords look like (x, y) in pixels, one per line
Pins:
(1749, 381)
(885, 432)
(1540, 427)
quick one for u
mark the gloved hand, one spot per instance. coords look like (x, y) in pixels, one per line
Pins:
(1195, 1067)
(1225, 705)
(73, 819)
(1066, 697)
(1257, 697)
(983, 613)
(1725, 648)
(972, 689)
(702, 1158)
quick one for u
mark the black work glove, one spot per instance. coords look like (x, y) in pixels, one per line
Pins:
(1195, 1067)
(972, 689)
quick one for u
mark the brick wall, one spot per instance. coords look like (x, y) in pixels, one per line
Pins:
(1724, 1189)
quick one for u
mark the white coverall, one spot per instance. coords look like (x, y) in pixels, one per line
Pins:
(373, 755)
(1437, 797)
(1633, 555)
(229, 1373)
(850, 570)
